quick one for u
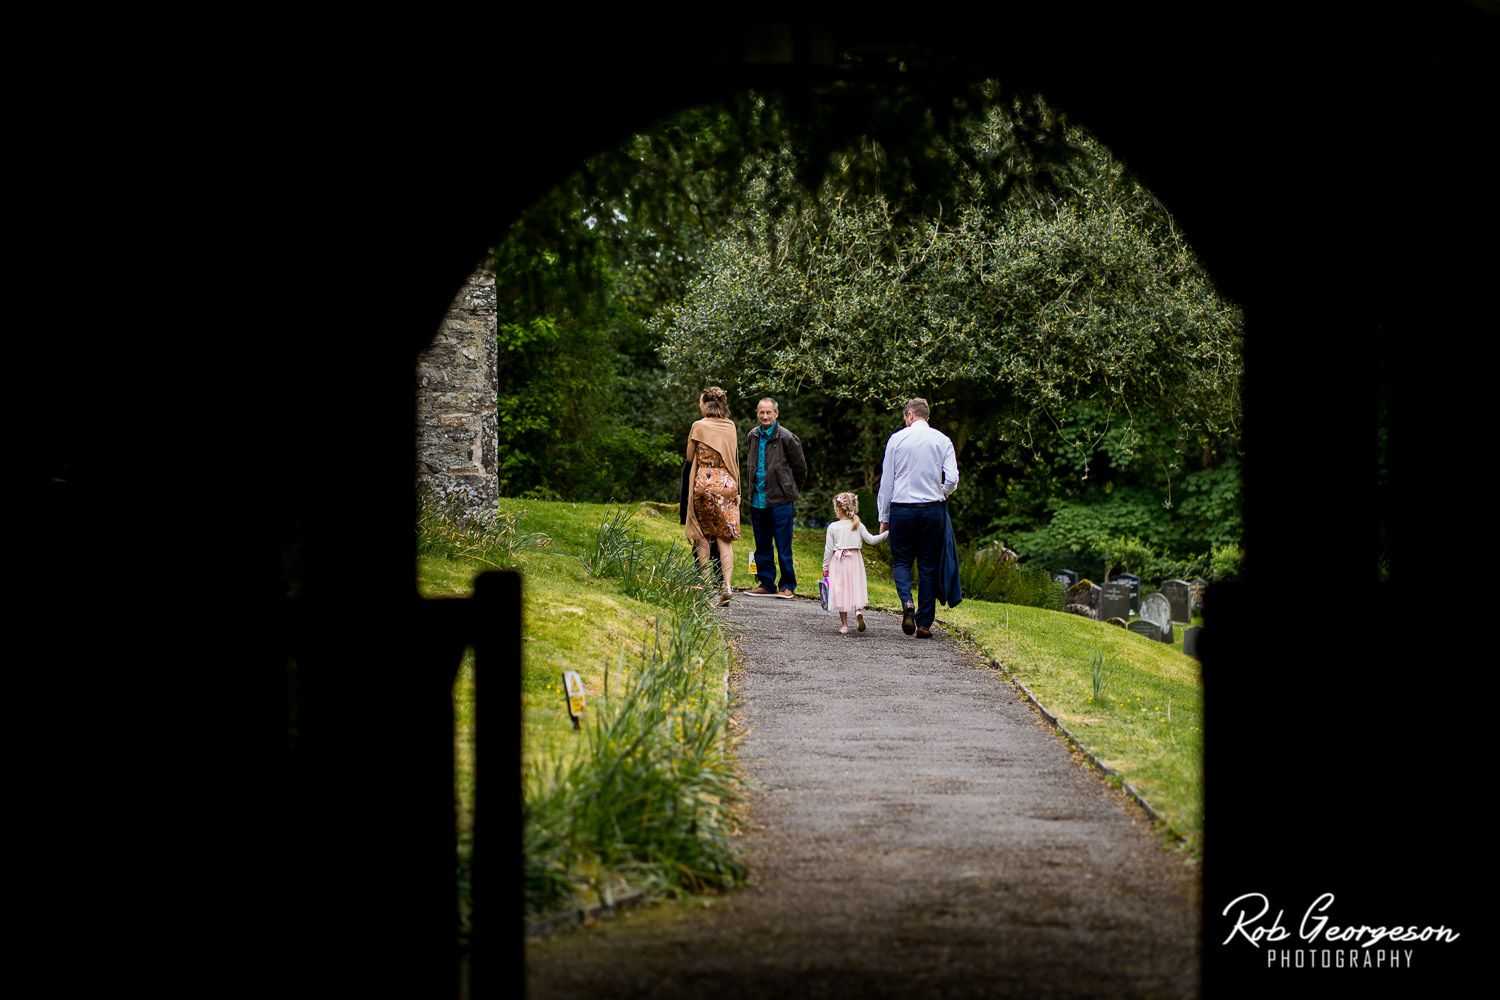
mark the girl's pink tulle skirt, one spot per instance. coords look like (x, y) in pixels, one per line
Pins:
(847, 590)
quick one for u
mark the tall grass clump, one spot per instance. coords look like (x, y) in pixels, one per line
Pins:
(649, 805)
(1100, 671)
(666, 575)
(448, 527)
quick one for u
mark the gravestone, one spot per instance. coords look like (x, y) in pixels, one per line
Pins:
(1066, 577)
(1087, 594)
(1157, 610)
(1135, 590)
(1116, 621)
(1197, 590)
(1190, 641)
(1116, 600)
(1176, 593)
(1148, 629)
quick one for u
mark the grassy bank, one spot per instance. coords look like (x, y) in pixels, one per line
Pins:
(1148, 724)
(641, 796)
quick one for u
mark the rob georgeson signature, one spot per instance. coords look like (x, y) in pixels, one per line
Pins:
(1251, 909)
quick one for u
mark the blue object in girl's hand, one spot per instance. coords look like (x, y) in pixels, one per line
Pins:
(823, 592)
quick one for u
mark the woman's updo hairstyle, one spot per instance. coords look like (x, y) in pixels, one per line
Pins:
(715, 401)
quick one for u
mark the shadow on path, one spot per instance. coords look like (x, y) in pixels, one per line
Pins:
(918, 831)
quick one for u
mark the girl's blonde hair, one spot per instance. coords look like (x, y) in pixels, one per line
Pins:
(846, 505)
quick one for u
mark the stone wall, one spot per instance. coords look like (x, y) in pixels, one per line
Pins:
(456, 385)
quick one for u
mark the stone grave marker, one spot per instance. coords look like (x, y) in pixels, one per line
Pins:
(1066, 577)
(1156, 609)
(1116, 600)
(1176, 593)
(1148, 629)
(1190, 640)
(1196, 592)
(1135, 590)
(1086, 594)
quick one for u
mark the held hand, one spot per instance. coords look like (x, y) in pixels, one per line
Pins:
(885, 526)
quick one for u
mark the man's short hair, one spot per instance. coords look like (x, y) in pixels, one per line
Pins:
(768, 399)
(917, 407)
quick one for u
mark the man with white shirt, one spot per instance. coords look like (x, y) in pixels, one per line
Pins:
(919, 473)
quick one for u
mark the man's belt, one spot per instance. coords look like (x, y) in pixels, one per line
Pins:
(925, 503)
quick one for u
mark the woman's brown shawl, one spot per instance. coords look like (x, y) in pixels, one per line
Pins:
(720, 434)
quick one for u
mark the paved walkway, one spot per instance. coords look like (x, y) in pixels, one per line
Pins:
(919, 832)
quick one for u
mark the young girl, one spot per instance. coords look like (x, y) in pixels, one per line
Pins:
(844, 565)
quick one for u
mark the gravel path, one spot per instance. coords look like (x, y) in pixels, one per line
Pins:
(919, 832)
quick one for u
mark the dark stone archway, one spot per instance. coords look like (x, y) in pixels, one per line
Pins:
(1324, 169)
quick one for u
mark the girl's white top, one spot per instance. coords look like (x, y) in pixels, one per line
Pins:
(842, 535)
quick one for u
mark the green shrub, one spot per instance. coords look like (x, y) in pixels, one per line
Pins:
(1227, 562)
(986, 574)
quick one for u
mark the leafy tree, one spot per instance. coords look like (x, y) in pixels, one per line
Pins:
(1013, 302)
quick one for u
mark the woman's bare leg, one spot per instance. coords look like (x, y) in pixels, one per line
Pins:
(726, 560)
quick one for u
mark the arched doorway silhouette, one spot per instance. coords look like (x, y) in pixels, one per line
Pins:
(1347, 290)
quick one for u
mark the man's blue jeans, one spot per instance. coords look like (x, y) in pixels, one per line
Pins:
(918, 533)
(773, 524)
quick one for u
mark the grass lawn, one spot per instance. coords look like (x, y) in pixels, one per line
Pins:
(571, 620)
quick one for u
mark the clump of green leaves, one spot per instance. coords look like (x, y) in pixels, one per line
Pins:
(668, 575)
(1228, 562)
(1100, 672)
(447, 526)
(615, 543)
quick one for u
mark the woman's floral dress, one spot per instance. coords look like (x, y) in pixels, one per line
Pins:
(716, 496)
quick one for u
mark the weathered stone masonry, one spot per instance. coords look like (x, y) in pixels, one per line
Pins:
(457, 379)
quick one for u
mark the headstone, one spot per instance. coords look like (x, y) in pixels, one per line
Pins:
(1087, 593)
(1135, 591)
(1176, 593)
(1148, 629)
(1066, 577)
(1157, 610)
(1116, 621)
(1116, 600)
(1082, 610)
(1190, 641)
(1197, 590)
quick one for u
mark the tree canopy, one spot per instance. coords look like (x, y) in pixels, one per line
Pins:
(1010, 301)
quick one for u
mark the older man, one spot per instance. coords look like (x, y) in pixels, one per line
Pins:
(919, 473)
(775, 473)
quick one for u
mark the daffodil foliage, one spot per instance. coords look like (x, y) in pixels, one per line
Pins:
(1016, 303)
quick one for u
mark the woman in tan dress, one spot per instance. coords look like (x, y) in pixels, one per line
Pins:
(714, 507)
